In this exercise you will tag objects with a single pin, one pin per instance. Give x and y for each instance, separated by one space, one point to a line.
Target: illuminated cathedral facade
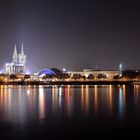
17 66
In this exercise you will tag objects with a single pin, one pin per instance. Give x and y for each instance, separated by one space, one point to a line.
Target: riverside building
17 66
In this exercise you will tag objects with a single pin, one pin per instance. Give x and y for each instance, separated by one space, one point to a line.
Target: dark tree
90 76
13 76
27 76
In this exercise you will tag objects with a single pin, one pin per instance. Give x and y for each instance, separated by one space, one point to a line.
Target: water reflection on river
43 104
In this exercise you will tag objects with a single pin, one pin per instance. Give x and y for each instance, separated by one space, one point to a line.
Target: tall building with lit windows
17 66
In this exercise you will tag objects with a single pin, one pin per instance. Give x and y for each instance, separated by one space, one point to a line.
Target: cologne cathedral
17 66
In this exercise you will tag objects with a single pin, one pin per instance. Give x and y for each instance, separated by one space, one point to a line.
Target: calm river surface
69 112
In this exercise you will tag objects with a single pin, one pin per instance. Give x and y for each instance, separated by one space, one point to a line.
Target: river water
69 112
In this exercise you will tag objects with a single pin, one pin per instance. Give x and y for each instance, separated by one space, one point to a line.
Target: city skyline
72 34
30 71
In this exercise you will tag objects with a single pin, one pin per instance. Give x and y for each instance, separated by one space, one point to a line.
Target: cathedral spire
15 55
15 51
22 50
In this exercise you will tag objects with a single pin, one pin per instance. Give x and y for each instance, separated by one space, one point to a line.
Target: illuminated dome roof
51 71
46 71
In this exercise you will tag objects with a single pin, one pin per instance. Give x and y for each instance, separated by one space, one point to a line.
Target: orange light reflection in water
41 103
82 98
87 99
136 94
110 98
54 99
67 100
31 101
95 99
1 95
124 96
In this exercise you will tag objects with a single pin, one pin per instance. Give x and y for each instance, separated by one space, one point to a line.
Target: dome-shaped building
51 72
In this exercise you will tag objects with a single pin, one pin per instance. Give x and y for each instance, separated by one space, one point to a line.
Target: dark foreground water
69 112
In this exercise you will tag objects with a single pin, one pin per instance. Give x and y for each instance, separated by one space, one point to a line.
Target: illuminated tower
22 60
15 56
120 69
22 57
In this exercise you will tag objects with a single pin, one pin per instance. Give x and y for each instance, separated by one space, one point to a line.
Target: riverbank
69 83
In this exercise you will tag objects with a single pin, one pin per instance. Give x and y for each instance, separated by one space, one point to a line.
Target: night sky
71 34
